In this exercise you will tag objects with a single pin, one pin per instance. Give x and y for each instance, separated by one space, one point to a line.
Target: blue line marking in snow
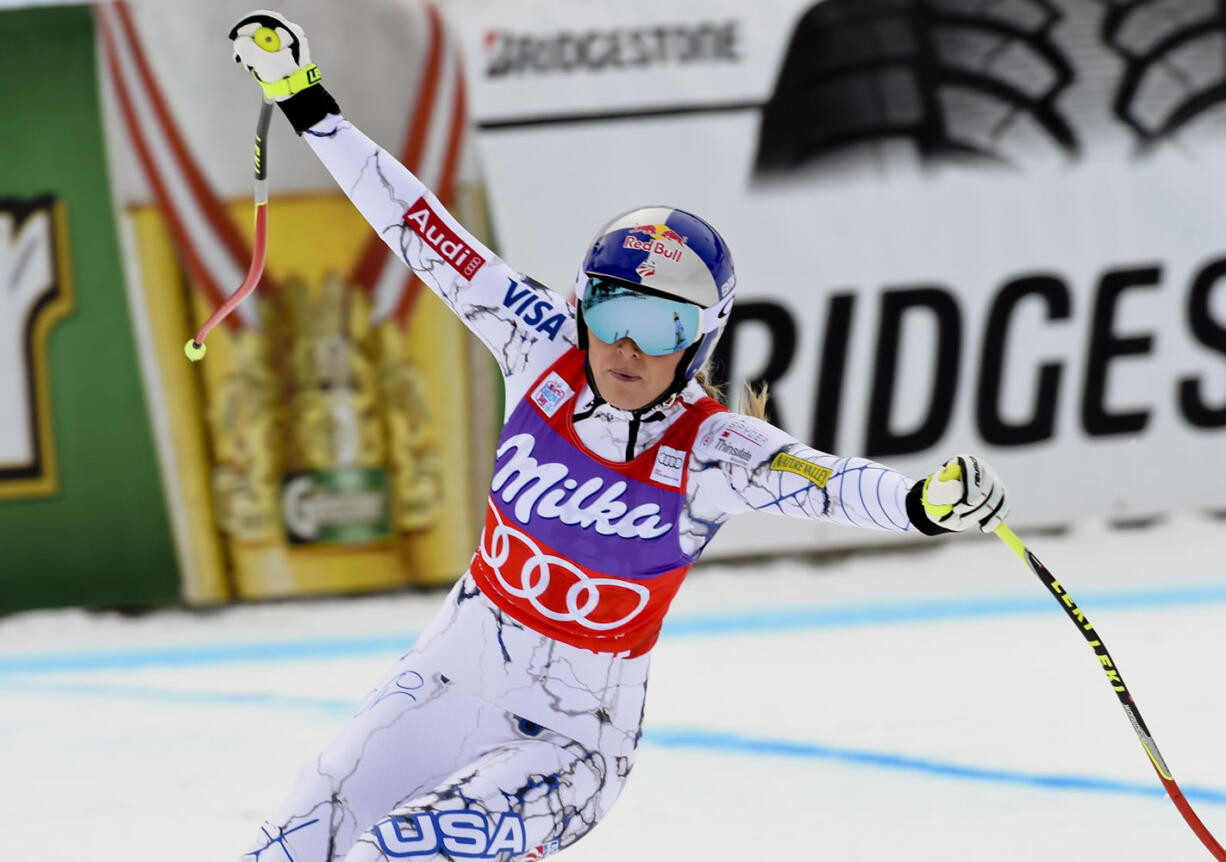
305 649
673 737
854 616
739 623
185 697
707 740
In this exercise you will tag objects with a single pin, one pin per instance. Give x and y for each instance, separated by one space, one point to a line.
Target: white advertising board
994 228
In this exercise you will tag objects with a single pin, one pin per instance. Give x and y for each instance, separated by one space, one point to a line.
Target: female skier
509 728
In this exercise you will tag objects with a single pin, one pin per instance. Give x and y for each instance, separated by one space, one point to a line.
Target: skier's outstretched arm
741 464
509 312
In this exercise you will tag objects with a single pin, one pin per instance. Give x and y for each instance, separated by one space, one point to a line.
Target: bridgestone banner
957 226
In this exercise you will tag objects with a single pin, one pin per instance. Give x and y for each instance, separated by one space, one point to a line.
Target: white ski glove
276 52
963 493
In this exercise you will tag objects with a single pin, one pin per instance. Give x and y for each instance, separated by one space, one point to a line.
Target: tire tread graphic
954 77
1174 57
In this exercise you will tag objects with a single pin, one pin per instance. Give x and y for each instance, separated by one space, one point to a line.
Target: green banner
83 520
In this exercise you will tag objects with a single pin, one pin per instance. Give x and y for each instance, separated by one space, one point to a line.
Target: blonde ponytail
753 401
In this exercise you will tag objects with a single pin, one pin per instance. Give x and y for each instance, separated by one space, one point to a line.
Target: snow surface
928 703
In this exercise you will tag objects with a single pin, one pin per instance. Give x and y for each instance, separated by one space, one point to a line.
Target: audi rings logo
670 459
546 579
669 467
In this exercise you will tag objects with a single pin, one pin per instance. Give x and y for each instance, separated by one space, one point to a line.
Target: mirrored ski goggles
613 311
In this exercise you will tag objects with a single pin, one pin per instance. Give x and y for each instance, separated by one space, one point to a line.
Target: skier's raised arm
509 312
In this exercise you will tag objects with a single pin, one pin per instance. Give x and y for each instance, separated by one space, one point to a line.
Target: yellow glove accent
267 38
935 512
308 76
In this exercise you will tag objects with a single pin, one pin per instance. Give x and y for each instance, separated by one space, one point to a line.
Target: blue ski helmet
670 253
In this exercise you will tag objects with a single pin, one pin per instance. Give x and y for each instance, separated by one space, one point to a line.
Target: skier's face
627 377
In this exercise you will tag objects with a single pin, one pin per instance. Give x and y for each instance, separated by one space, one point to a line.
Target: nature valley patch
791 464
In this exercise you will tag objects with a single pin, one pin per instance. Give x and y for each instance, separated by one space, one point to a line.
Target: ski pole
195 348
1116 680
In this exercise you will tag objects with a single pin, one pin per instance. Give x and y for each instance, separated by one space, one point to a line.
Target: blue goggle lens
658 326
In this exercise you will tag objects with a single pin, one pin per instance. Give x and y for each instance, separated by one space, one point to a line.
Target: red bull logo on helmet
659 231
660 240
